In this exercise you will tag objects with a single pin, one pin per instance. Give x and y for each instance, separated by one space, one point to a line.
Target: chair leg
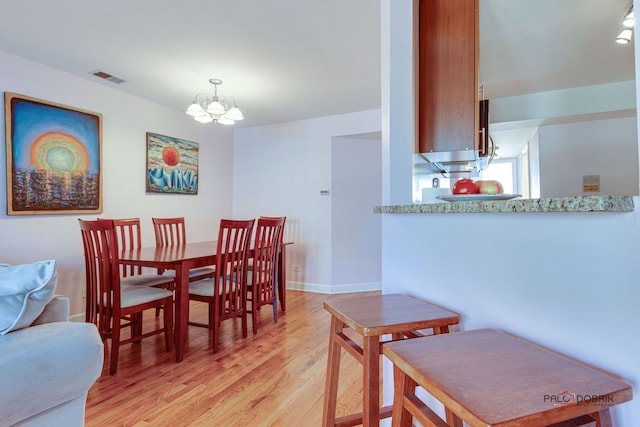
216 333
275 301
168 325
115 347
215 323
244 323
254 318
211 315
136 325
132 326
275 310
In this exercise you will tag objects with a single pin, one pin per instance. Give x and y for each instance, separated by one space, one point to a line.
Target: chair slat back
267 241
169 231
127 231
230 293
284 223
102 274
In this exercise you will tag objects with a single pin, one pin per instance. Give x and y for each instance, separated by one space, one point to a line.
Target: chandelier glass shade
215 110
628 22
625 36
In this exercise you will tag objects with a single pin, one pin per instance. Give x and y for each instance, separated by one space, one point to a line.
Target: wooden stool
373 316
487 377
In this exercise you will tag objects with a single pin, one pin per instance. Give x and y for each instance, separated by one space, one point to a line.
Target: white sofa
46 370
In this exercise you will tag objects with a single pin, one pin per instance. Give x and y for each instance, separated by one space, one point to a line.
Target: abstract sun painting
53 158
172 165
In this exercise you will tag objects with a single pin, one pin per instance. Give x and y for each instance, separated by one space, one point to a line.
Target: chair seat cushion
204 287
145 280
194 272
131 296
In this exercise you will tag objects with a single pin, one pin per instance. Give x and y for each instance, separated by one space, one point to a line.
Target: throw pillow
24 292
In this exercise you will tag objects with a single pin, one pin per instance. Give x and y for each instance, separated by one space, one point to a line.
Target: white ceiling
529 46
286 60
280 59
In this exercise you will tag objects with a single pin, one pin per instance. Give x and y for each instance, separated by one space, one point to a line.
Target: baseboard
334 289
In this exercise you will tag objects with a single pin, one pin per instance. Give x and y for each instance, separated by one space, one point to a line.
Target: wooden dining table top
157 256
491 378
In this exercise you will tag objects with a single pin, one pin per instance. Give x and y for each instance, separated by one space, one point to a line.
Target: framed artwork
54 158
172 165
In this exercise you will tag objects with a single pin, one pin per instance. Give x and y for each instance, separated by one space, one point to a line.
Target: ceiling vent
108 76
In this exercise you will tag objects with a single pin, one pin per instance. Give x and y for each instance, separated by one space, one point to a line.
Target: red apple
465 186
490 186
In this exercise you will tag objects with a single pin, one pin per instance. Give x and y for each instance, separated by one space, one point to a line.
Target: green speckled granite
559 204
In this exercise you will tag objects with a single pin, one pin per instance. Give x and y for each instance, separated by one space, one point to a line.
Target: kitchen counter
555 204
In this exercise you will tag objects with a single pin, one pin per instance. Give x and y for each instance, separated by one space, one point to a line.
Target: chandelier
628 22
208 110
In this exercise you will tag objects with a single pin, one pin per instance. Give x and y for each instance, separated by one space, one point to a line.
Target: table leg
441 330
452 419
182 309
282 277
333 373
402 385
371 383
603 418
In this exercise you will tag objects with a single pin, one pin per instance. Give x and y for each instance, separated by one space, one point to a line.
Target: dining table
182 258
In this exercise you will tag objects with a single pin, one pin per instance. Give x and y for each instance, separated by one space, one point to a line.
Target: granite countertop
555 204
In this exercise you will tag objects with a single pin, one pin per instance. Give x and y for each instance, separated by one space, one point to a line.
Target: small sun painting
172 165
53 158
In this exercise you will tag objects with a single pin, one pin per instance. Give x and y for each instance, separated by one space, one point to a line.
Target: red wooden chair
281 256
173 232
225 293
108 302
129 238
261 283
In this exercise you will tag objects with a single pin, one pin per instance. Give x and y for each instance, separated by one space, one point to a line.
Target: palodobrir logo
563 398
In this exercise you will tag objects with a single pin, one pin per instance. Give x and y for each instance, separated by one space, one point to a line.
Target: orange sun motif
170 156
60 153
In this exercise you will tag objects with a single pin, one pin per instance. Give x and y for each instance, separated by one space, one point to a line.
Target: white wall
602 147
534 165
280 170
125 121
567 281
356 230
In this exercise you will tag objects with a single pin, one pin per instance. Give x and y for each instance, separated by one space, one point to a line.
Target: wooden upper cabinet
448 75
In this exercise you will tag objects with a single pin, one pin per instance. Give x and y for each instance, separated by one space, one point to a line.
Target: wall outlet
83 293
590 183
295 267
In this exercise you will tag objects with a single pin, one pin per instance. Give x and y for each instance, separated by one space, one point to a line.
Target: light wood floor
274 378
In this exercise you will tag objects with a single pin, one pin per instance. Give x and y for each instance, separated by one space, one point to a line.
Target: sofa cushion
25 290
44 367
56 311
